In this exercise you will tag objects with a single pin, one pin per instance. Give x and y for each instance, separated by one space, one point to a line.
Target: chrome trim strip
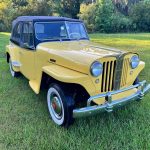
16 64
118 72
110 105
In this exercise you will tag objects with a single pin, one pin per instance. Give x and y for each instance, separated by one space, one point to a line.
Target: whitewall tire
60 106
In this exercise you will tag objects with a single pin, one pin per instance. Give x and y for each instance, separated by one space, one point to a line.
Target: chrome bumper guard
110 105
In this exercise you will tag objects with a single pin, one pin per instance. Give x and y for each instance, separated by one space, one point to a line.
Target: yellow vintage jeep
83 78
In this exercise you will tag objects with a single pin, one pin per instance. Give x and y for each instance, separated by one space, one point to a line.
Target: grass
24 119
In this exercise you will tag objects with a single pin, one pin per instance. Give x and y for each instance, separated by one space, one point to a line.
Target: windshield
60 31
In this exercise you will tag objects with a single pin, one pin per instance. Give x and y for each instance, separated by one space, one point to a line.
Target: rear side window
27 34
17 33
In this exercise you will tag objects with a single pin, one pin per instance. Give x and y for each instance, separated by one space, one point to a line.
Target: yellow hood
76 55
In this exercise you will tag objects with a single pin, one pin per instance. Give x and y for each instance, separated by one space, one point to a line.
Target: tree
139 14
9 10
16 3
123 6
86 14
4 15
68 8
110 20
105 9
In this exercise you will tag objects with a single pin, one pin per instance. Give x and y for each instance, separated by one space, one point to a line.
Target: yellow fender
65 75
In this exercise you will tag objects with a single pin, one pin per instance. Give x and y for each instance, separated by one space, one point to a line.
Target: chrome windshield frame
87 36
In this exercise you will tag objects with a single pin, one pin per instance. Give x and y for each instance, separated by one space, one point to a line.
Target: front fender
66 75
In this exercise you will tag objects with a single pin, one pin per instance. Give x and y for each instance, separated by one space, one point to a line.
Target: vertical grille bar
107 76
114 68
124 72
111 75
102 85
104 76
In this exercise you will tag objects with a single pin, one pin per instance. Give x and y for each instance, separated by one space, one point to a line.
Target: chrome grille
114 74
108 76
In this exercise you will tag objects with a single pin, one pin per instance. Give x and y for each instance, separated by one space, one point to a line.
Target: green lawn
25 123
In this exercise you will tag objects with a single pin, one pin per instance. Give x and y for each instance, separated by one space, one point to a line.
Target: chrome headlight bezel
134 62
96 69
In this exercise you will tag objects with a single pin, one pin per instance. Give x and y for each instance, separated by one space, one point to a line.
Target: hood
76 55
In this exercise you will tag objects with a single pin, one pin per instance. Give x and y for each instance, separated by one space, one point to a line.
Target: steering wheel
74 35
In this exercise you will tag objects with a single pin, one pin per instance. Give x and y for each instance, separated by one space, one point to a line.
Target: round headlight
96 69
134 61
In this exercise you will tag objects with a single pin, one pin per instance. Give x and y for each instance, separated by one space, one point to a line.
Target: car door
27 52
14 46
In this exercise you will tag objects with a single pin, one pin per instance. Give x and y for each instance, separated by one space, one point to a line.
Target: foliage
9 10
4 11
86 14
123 6
69 8
105 10
101 16
140 15
16 8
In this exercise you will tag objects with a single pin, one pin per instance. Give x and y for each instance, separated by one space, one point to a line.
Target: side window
27 34
17 33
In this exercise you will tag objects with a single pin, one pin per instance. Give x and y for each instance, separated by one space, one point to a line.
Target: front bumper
110 105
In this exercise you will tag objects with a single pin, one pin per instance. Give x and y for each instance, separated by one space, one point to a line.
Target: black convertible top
17 27
43 18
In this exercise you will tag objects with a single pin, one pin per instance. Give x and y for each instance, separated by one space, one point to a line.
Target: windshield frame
87 37
61 39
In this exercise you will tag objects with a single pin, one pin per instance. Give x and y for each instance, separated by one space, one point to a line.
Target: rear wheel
13 73
60 106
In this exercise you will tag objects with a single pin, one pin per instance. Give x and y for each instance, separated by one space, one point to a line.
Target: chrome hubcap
56 106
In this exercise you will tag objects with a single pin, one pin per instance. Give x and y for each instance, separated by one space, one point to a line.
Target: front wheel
60 106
